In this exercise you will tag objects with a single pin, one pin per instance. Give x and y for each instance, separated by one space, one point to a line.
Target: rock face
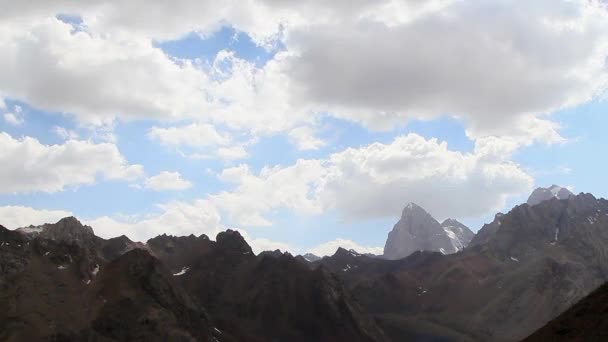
459 234
543 194
417 230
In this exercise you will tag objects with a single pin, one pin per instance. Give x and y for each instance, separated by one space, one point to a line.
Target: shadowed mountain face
587 320
536 262
271 297
58 290
417 230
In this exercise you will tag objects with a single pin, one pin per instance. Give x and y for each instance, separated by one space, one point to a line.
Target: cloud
193 135
100 77
29 165
490 71
176 218
167 181
330 247
377 180
273 187
15 118
200 137
304 138
13 217
65 134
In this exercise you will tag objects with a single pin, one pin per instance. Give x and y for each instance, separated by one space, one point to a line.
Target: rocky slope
417 230
585 321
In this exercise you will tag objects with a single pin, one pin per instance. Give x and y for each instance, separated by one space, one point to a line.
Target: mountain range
435 282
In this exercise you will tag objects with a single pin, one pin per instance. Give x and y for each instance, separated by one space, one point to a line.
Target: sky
306 125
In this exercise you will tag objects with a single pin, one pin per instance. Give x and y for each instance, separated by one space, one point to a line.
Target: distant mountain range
435 282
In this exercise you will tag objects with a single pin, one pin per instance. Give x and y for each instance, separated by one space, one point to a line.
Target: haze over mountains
61 282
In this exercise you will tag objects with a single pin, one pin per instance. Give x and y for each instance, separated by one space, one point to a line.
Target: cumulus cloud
500 74
15 118
14 216
52 66
490 71
167 181
254 195
193 135
176 218
304 138
330 247
64 133
377 181
29 165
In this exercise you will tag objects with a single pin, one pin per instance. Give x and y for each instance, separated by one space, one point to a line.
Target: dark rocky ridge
60 282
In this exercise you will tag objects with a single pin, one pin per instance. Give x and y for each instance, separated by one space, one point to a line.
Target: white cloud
167 181
193 135
330 247
15 118
500 75
232 153
29 165
377 181
256 195
100 77
304 138
177 218
65 134
491 71
13 217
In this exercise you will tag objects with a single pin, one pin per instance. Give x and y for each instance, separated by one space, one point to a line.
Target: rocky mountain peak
232 240
418 230
311 257
543 194
68 229
413 209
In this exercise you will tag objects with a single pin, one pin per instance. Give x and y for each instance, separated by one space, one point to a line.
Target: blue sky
224 122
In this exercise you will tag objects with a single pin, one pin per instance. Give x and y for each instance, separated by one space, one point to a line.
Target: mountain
585 321
535 263
459 234
273 296
417 230
60 282
57 290
543 194
311 257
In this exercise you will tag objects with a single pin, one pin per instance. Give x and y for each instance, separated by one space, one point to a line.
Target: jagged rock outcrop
417 230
